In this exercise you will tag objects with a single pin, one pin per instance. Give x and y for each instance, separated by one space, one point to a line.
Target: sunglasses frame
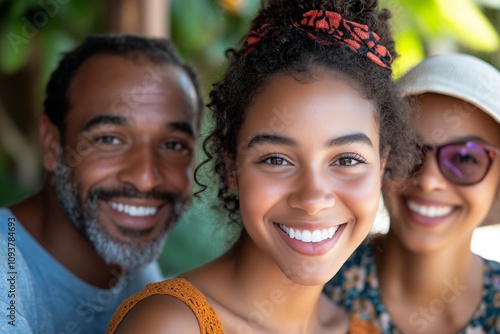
491 152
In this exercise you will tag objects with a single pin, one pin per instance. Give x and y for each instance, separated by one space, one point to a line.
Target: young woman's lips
310 241
428 213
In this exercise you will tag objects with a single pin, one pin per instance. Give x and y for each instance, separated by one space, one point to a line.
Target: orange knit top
208 320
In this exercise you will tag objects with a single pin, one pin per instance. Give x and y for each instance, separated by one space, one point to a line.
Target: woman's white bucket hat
462 76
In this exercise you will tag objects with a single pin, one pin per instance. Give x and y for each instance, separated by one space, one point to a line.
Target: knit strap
181 289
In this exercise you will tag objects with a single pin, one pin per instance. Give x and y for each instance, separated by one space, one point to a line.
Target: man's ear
231 171
50 141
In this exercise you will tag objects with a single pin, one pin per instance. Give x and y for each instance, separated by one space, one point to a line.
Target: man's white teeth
310 236
132 210
429 211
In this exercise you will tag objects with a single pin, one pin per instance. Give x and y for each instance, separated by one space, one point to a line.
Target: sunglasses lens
463 164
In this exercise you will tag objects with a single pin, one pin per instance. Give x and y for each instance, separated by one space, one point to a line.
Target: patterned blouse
355 287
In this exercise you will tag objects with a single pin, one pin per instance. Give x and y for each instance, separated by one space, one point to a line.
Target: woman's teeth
310 236
429 211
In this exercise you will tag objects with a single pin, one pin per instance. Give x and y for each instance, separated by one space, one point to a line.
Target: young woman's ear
383 162
50 141
231 172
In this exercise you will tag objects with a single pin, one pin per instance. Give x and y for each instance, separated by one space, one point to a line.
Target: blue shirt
39 295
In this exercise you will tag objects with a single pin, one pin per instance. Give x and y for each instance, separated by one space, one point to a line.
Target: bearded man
118 138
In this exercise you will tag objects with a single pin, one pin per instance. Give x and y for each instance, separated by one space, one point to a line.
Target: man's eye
109 140
178 147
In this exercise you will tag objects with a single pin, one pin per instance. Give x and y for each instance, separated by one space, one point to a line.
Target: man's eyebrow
181 126
357 137
271 139
103 120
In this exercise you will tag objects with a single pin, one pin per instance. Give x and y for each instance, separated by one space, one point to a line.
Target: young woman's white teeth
316 236
331 232
306 236
310 236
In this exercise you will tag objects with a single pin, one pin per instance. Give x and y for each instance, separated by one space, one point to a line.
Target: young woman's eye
108 140
349 160
274 161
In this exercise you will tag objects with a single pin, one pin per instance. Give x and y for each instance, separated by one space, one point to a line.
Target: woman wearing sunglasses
421 277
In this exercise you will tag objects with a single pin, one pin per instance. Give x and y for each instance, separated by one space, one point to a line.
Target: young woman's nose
313 193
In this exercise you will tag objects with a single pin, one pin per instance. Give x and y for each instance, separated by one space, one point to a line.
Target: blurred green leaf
250 8
409 47
18 9
9 190
468 24
55 41
195 24
14 46
425 15
80 17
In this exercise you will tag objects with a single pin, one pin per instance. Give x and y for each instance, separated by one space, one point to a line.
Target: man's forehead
112 84
103 75
114 67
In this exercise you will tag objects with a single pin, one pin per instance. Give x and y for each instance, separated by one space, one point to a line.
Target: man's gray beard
112 251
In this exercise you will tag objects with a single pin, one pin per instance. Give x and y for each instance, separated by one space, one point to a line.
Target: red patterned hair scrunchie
329 26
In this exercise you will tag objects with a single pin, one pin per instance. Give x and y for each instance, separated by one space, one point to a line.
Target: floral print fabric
355 288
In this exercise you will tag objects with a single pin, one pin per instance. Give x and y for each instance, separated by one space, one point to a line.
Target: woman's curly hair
294 53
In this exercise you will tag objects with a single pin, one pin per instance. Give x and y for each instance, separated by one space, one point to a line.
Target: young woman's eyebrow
271 139
357 137
282 140
104 120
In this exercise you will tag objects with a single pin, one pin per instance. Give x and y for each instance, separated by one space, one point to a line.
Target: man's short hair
160 51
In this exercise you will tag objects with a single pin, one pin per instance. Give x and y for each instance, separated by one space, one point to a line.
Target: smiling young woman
305 118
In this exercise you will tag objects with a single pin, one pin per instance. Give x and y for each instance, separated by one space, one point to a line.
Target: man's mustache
132 192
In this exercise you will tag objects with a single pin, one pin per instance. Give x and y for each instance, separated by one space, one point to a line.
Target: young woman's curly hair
291 52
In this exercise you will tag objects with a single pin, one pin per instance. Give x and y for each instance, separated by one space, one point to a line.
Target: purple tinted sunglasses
462 163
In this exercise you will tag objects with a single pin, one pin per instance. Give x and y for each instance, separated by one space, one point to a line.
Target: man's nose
141 169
